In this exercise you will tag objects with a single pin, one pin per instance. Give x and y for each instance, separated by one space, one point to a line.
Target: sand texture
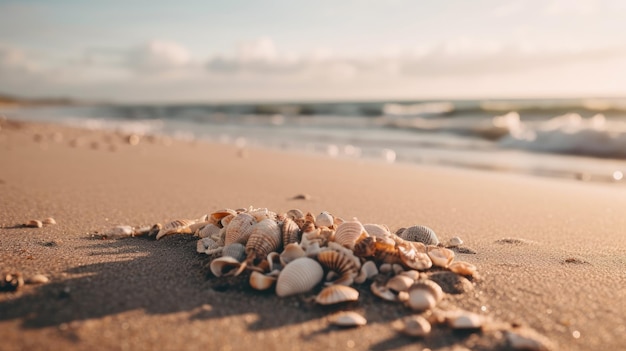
551 253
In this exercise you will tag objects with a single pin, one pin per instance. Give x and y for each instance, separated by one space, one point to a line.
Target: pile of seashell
294 253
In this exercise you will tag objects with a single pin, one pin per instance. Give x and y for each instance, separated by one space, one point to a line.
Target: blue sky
300 50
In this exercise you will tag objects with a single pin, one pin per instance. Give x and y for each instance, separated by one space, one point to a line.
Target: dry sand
551 253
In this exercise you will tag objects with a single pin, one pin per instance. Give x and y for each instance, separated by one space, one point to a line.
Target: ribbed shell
178 226
420 233
336 294
265 237
216 217
299 276
261 214
348 233
238 230
235 250
340 263
295 214
291 232
377 230
324 219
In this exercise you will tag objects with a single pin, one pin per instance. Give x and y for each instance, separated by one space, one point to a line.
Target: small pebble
49 220
34 223
133 139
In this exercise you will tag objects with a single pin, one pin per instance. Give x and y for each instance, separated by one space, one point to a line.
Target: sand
551 253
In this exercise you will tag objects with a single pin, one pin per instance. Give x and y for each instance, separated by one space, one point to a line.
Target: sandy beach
550 253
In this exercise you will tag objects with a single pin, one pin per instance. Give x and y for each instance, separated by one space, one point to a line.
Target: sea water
582 139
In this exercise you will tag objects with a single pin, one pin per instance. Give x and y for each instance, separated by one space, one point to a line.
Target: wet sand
551 253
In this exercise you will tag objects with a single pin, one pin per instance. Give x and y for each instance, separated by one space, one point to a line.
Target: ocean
578 139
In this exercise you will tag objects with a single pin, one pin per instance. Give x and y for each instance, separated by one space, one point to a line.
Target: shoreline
550 253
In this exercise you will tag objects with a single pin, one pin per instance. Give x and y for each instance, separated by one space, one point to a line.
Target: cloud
157 56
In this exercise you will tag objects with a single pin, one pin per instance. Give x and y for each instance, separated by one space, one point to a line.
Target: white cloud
156 56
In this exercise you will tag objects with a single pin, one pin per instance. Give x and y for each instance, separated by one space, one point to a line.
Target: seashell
265 237
208 231
463 268
226 266
466 320
383 292
337 221
397 269
216 217
341 263
324 219
299 276
208 246
238 230
413 326
291 231
295 214
368 271
440 256
179 226
33 223
197 225
455 241
399 231
121 231
308 217
385 268
400 283
348 233
411 273
273 261
290 253
336 247
424 295
336 294
413 259
529 340
261 214
421 234
49 220
377 230
37 279
235 250
347 319
260 281
366 247
11 281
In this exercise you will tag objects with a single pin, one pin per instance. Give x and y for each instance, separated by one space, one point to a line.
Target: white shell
348 233
368 271
377 230
336 294
424 295
528 340
120 231
440 256
37 279
324 219
400 283
383 292
238 229
226 266
420 233
463 268
455 241
49 220
290 253
347 319
415 325
299 276
466 320
414 259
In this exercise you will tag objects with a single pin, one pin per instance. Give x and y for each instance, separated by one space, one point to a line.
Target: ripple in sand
514 241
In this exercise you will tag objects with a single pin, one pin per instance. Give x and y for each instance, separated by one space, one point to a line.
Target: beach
550 252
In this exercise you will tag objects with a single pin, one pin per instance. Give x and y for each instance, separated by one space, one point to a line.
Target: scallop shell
290 253
368 271
463 268
216 217
324 219
49 220
265 237
336 294
366 247
440 256
235 250
238 230
260 281
179 226
340 263
208 231
415 325
377 230
348 233
291 231
347 319
226 266
299 276
420 233
424 295
400 283
33 223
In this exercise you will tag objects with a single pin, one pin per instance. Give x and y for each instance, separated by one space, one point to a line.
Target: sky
217 51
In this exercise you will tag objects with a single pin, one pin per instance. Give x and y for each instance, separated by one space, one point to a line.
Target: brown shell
216 217
179 226
340 263
260 281
238 229
291 232
49 220
348 233
336 294
463 268
265 237
440 256
295 214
